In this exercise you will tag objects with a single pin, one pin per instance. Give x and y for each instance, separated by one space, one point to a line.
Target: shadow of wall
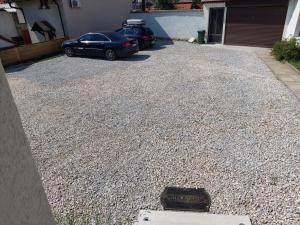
173 24
22 197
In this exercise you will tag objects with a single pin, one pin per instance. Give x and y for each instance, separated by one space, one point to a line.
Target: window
128 31
99 37
137 31
44 4
86 37
75 3
133 31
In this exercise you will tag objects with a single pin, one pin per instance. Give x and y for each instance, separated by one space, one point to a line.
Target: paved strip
284 72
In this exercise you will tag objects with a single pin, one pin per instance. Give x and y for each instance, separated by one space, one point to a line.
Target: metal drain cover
185 199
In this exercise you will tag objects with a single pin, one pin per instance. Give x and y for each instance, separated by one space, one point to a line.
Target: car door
97 44
82 47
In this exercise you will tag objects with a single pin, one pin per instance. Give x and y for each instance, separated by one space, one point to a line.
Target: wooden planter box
29 52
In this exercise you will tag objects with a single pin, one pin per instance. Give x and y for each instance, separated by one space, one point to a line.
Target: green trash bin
201 35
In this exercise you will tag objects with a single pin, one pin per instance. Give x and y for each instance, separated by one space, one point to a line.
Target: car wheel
69 51
110 55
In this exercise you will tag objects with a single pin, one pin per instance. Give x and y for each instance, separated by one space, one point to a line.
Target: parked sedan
109 45
144 35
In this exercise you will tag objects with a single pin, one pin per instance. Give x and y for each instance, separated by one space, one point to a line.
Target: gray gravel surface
109 136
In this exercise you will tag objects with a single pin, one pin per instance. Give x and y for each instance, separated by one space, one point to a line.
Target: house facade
251 22
93 15
52 19
7 22
35 13
13 29
233 22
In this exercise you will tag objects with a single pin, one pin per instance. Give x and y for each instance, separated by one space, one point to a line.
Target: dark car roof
101 32
142 29
114 36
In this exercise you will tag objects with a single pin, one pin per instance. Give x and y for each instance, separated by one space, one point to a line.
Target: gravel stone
110 136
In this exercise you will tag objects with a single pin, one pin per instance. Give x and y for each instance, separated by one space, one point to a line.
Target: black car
110 45
144 35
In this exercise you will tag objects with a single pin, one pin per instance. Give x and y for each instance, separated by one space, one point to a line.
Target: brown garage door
255 25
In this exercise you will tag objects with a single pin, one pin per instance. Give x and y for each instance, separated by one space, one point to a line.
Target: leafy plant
166 4
196 3
286 50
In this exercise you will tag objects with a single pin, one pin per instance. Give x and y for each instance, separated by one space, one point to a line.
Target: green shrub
166 4
196 3
286 50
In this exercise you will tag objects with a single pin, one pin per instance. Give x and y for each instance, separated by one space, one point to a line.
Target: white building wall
95 15
5 44
34 14
7 25
292 23
173 24
206 8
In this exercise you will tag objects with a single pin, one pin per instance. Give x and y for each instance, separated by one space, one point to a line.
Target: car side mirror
79 41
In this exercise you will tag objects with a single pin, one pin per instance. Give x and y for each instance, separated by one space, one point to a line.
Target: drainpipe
60 16
143 5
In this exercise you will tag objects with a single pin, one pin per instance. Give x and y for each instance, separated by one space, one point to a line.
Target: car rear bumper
148 43
127 51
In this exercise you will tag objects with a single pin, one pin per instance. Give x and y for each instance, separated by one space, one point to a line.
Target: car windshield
131 30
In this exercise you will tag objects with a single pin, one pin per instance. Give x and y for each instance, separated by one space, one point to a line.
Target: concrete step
148 217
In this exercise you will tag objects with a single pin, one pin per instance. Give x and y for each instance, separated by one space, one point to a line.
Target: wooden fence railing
30 52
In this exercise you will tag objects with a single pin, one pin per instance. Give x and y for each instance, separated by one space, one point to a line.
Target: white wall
34 14
292 23
95 15
173 24
206 8
5 44
7 25
22 197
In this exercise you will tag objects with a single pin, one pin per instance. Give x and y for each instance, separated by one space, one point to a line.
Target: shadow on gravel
160 44
128 58
18 67
22 66
134 58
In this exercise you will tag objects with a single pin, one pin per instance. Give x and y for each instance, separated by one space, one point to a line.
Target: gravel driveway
110 136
